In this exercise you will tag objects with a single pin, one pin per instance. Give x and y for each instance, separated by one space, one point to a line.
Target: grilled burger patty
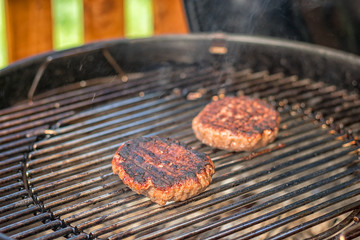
162 169
237 124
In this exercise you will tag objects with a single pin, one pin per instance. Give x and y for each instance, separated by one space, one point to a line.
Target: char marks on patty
157 167
237 124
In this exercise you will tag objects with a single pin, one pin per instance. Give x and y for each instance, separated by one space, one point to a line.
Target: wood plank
169 17
103 19
28 27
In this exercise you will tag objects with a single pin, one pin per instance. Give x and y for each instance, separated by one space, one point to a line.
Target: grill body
136 55
56 149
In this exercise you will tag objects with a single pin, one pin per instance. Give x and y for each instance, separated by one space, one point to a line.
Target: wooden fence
29 23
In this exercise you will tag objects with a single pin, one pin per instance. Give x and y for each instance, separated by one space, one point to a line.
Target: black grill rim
258 53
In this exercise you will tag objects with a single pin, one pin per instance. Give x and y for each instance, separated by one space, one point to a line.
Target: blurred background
68 21
67 26
30 27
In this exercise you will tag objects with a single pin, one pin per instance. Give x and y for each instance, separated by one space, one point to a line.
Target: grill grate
56 152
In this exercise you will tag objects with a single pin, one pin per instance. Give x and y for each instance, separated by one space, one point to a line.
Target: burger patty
237 124
162 169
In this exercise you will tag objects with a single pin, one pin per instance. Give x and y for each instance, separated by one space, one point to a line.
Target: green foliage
3 52
138 18
69 24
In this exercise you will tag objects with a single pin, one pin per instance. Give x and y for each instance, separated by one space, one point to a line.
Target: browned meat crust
162 169
237 124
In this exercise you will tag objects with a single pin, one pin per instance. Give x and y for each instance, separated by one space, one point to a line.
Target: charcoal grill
64 114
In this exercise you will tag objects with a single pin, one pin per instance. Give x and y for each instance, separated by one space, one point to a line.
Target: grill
56 150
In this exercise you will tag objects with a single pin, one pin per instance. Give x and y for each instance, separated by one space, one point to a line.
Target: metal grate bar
78 195
261 81
79 87
91 201
289 89
31 125
346 109
109 156
286 154
19 213
328 216
264 205
341 225
24 141
7 179
19 224
12 206
290 207
105 108
81 236
9 187
350 120
278 82
70 178
58 233
69 174
78 104
301 85
71 127
14 151
13 196
33 117
47 186
348 114
282 155
78 158
96 221
39 229
241 203
135 116
329 100
55 138
52 96
83 183
306 92
310 92
234 184
351 232
13 168
106 141
77 205
65 98
327 105
16 129
23 134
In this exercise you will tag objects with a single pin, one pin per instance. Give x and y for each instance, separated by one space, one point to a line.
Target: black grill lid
330 23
